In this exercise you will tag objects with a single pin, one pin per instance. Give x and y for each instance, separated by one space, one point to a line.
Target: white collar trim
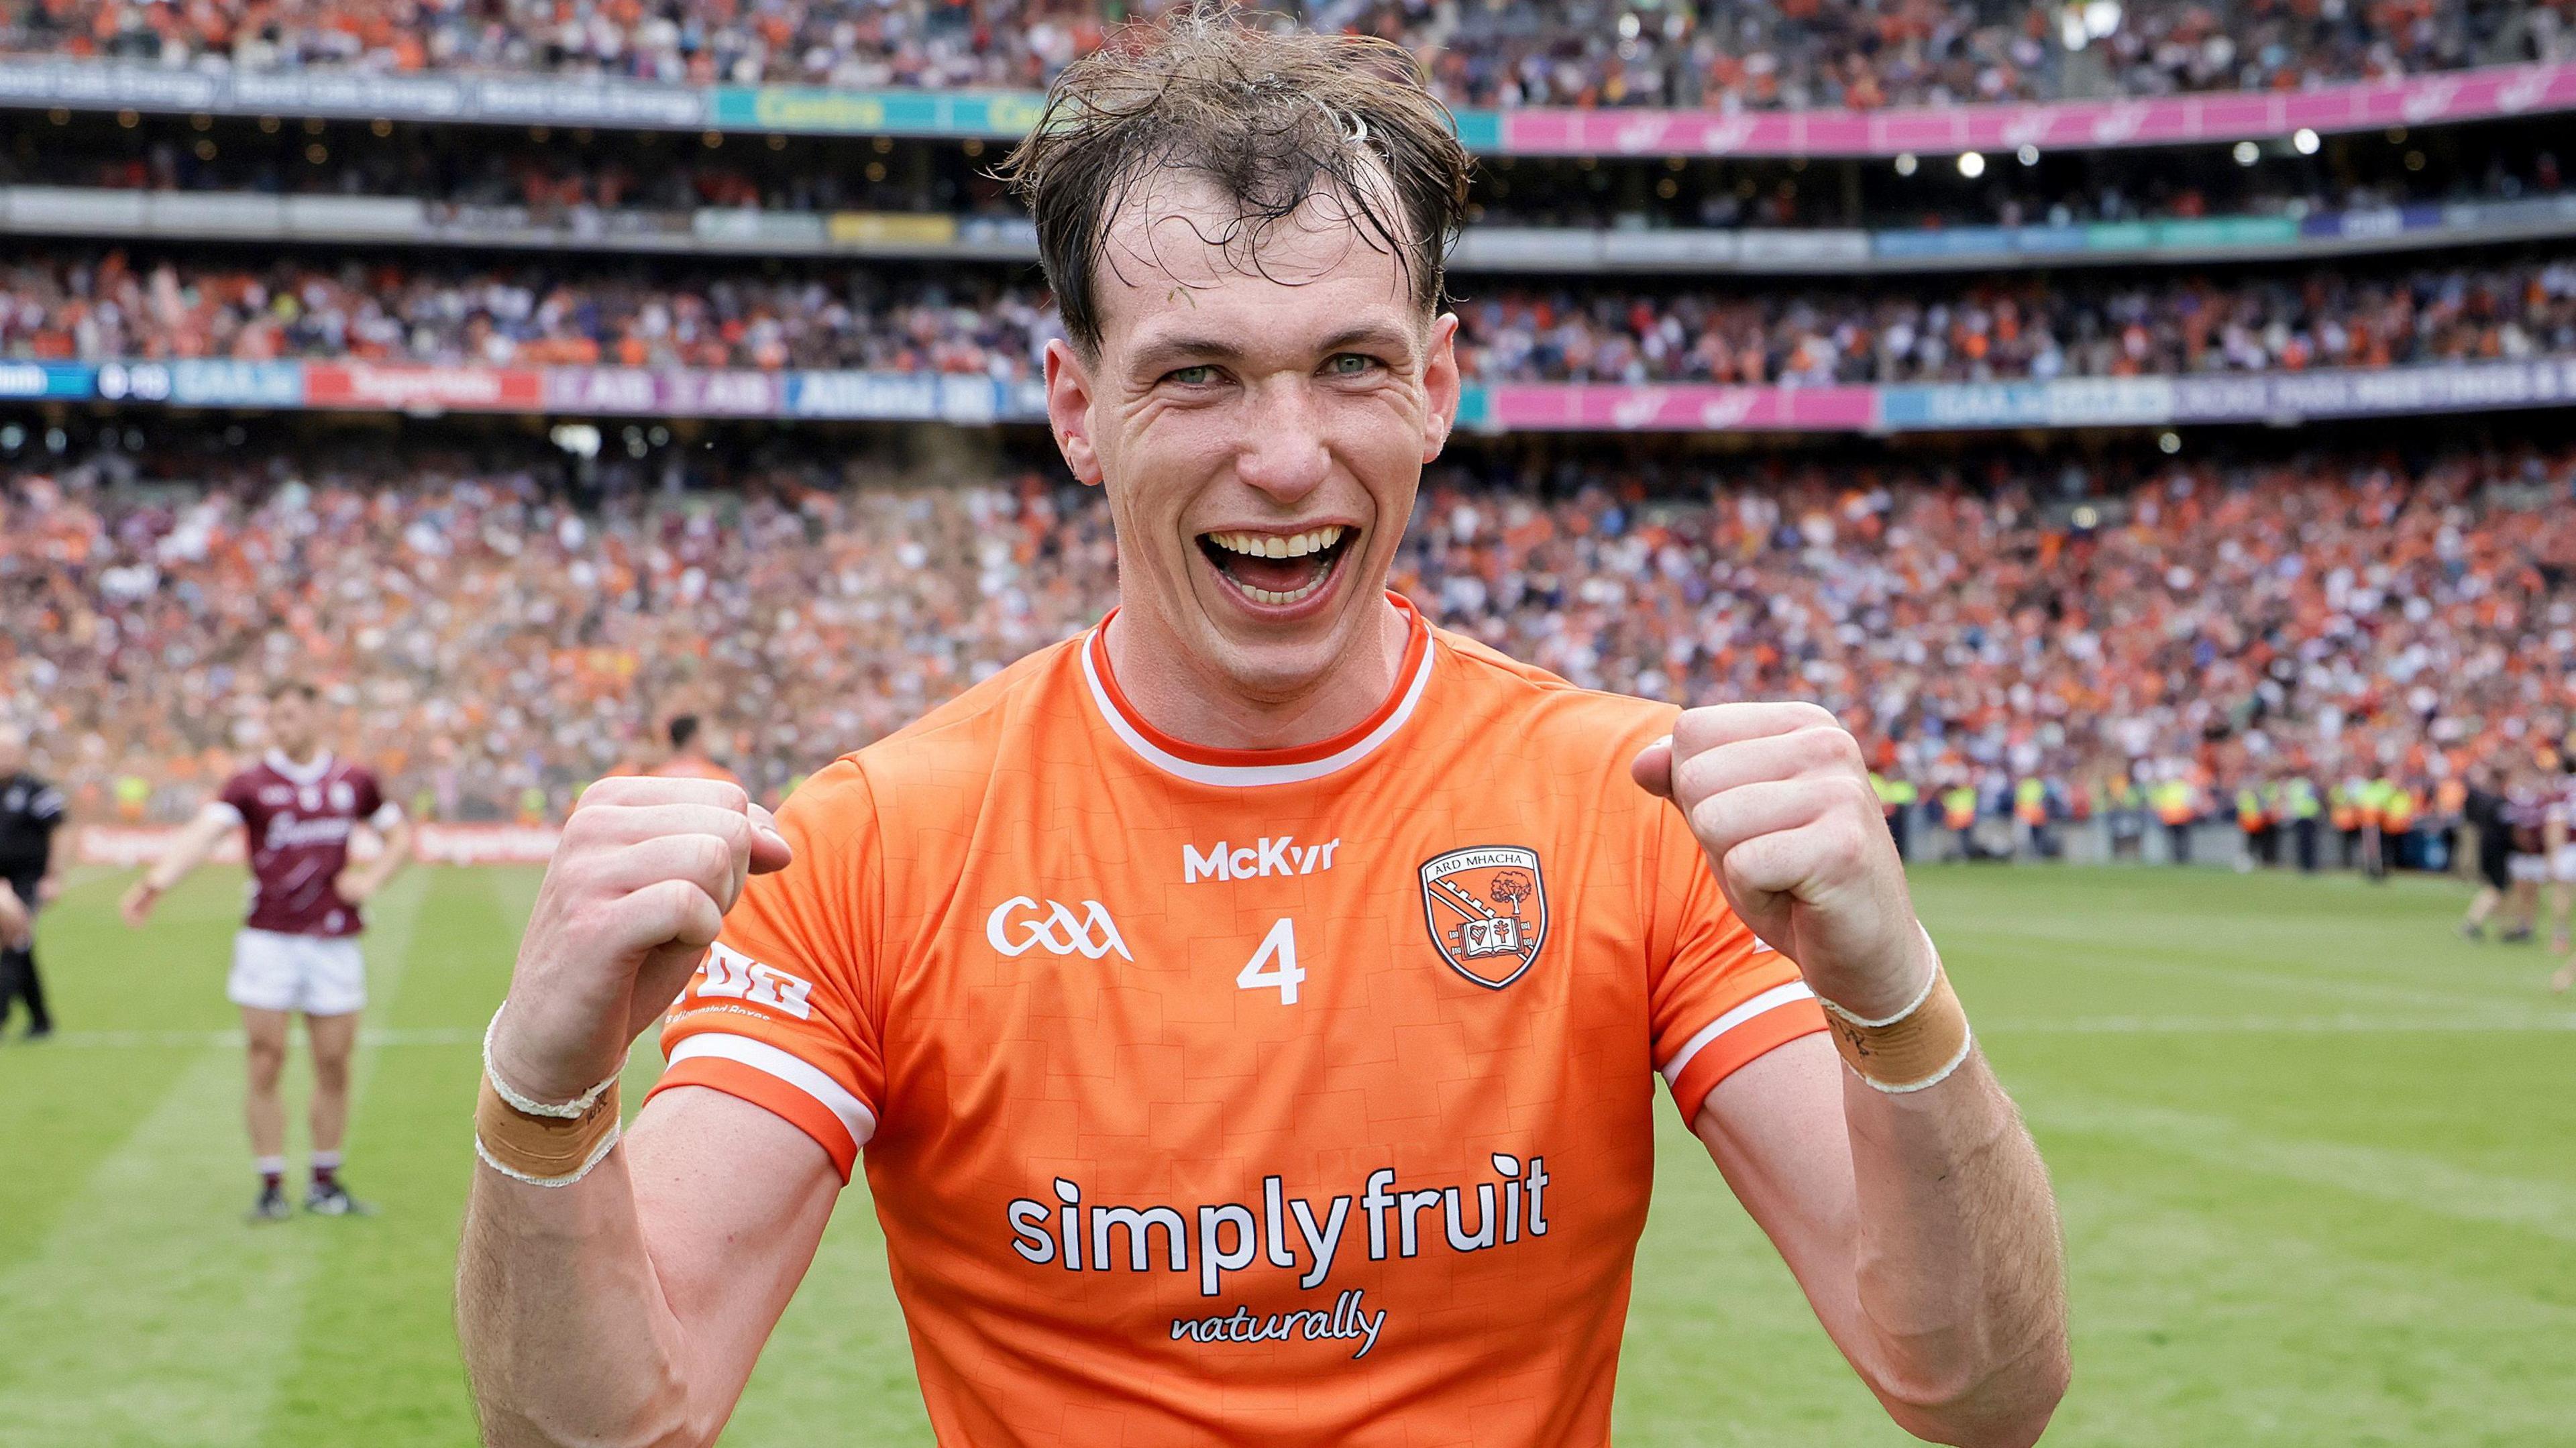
1246 776
301 773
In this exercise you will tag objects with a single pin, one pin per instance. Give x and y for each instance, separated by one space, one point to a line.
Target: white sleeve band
387 815
221 812
855 1117
1770 1000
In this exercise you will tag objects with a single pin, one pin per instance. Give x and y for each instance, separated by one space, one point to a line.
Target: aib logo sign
1018 925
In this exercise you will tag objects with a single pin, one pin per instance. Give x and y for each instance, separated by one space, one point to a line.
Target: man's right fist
637 890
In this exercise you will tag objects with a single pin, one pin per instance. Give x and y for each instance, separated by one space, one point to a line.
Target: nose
1283 454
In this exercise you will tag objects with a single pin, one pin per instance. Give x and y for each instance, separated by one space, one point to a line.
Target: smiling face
1260 423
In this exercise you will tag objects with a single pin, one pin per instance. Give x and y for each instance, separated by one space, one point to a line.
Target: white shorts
320 975
2563 868
2526 869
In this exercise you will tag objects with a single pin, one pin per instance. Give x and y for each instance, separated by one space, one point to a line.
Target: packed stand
654 183
2013 328
70 306
97 308
1732 54
495 645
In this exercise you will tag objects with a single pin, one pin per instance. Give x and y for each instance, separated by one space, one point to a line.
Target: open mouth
1278 569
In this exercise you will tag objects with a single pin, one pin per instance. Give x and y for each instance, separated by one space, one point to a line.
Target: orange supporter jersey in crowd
1294 1097
689 766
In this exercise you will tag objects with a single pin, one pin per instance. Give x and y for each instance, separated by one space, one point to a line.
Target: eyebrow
1164 354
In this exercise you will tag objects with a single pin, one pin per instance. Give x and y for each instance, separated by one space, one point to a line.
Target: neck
303 756
1180 695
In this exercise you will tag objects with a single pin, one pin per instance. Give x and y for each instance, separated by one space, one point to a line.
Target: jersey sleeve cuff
784 1085
1731 1042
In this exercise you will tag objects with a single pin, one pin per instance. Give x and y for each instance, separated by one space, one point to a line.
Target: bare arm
359 882
1918 1219
195 840
1921 1228
626 1308
629 1307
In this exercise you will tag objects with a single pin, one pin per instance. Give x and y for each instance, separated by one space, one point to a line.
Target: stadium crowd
1735 54
613 176
494 646
69 305
2026 327
94 307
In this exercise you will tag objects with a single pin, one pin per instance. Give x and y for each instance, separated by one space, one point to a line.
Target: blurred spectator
81 305
1732 54
2345 614
2077 324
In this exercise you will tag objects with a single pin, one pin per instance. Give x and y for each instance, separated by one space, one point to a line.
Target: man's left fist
1779 798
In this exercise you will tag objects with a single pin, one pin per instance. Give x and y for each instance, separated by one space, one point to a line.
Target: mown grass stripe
152 1259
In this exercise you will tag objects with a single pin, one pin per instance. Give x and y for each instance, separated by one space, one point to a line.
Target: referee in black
30 810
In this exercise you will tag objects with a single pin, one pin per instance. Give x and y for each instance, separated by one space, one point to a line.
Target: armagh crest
1487 909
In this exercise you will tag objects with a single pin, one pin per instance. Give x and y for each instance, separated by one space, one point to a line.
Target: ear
1440 382
1068 390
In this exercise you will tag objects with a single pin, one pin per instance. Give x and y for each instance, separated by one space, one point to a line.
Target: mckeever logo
1269 856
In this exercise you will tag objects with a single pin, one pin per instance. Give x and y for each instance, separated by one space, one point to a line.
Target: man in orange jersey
1248 1012
689 758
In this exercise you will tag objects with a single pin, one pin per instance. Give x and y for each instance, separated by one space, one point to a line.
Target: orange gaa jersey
1294 1097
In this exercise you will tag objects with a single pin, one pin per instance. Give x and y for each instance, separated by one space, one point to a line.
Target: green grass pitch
2313 1151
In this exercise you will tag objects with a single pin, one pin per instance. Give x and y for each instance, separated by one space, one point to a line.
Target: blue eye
1350 364
1198 376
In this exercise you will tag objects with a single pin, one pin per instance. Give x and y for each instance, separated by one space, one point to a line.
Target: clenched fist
1779 798
637 890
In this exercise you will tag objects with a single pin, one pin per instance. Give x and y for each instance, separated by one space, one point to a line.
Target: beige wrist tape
545 1151
1917 1047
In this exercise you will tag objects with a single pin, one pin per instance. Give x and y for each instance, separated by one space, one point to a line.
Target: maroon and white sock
272 1171
326 1169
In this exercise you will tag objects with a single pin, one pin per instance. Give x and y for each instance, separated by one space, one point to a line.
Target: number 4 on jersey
1274 965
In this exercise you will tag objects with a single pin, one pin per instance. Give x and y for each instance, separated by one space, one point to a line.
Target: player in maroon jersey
299 950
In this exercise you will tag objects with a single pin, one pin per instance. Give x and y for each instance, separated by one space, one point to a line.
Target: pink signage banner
1606 408
2463 95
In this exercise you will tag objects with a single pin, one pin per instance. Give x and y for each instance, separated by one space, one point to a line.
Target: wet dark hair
1272 118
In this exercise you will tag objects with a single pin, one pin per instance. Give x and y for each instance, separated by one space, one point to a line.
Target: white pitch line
2321 1025
2416 1180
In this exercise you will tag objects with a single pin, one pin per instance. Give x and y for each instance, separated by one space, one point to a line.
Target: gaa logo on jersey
1487 908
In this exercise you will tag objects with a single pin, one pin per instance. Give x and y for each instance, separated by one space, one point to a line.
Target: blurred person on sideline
31 864
297 808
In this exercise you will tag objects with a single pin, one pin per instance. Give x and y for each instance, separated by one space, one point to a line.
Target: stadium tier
506 636
638 191
1728 54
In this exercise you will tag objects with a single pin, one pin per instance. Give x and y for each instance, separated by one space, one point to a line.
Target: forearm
1957 1265
195 841
568 1334
389 860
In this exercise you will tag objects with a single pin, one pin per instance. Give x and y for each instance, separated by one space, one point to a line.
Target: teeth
1274 545
1274 597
